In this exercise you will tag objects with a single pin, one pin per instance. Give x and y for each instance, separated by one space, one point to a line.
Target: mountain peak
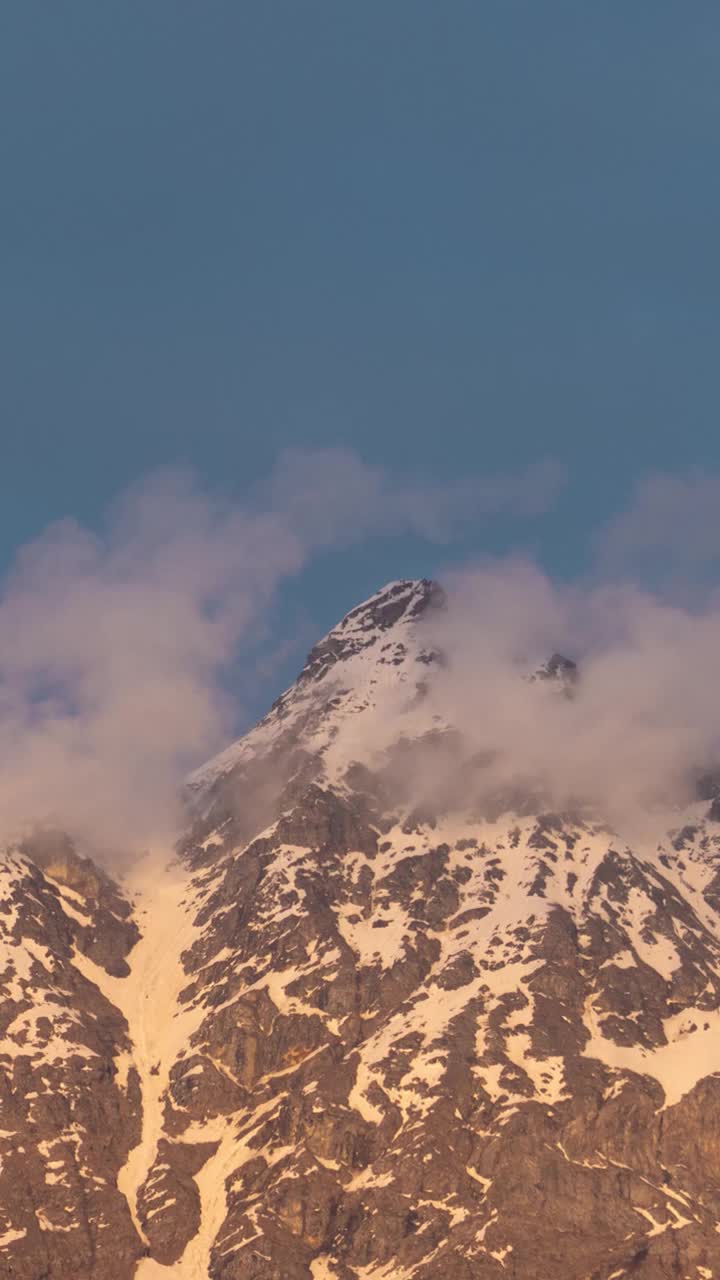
395 604
375 642
559 671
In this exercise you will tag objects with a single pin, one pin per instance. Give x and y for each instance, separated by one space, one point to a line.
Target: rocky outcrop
69 1112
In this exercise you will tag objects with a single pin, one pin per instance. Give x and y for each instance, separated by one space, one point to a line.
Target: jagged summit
364 627
376 646
560 670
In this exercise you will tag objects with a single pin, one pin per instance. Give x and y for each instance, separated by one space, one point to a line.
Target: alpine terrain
356 1027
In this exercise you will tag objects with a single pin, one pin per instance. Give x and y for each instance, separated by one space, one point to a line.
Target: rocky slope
348 1032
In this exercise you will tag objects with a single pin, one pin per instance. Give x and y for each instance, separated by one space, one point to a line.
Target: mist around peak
117 644
115 648
600 696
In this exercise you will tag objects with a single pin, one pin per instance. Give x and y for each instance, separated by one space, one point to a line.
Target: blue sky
458 238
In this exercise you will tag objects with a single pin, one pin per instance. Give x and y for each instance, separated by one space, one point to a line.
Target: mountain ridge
361 1036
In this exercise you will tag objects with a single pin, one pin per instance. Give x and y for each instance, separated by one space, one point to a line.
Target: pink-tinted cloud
669 533
332 496
645 715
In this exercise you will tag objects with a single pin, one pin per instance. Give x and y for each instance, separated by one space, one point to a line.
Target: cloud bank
115 646
669 534
643 718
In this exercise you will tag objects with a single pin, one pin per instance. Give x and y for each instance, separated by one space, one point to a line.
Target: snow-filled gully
159 1029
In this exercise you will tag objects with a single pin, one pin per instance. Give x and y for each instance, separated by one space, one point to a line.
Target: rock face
363 1034
69 1100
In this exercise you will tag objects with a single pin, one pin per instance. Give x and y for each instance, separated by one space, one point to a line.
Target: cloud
333 496
114 644
110 649
669 534
643 719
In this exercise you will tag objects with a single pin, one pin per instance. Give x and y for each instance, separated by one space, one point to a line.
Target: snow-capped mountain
360 1029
